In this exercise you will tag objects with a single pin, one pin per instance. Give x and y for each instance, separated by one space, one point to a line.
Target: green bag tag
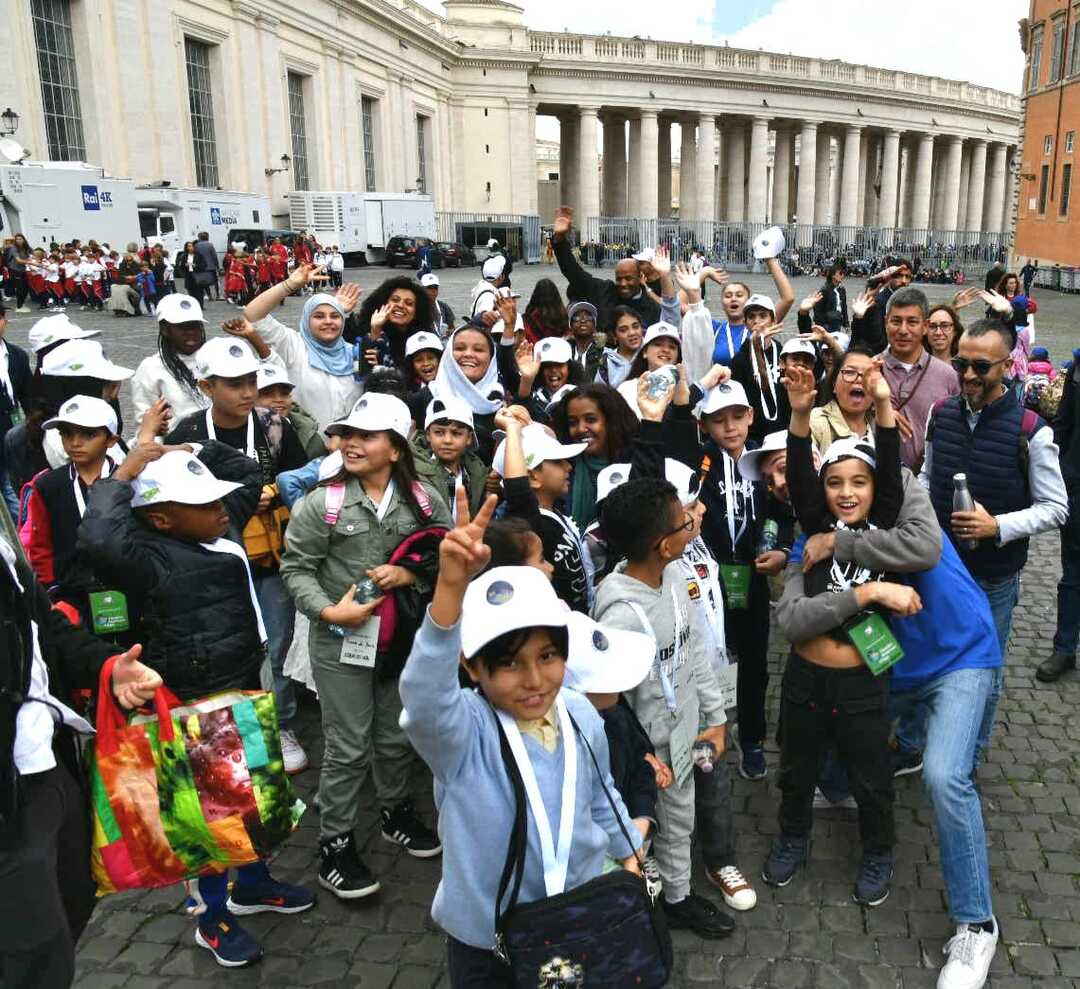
109 612
873 640
736 578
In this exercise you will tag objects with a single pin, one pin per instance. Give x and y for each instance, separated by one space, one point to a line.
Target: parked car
456 255
403 250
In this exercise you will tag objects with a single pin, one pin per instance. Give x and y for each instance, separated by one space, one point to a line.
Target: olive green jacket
432 473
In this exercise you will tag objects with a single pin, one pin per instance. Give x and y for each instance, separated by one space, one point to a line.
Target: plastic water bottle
704 755
661 380
770 536
365 591
963 502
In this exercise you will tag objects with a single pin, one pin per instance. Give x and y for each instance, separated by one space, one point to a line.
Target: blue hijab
334 358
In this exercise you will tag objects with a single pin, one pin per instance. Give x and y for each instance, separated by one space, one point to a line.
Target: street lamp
9 122
285 159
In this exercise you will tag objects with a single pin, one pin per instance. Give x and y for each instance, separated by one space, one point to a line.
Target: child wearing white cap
341 537
444 454
546 367
163 529
423 351
508 630
54 507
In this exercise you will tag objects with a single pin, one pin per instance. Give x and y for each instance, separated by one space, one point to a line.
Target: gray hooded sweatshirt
697 693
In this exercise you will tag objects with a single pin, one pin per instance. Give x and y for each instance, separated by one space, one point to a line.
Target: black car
456 255
404 250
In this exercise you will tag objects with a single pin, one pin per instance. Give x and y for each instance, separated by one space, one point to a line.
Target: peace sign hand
462 552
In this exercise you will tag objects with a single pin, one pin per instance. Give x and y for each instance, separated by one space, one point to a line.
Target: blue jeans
1068 602
279 617
955 706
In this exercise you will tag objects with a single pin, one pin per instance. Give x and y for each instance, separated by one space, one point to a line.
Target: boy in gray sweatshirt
647 524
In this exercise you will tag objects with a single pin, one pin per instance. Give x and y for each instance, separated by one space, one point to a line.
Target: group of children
482 540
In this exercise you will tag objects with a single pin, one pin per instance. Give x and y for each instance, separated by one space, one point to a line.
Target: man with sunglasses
1011 462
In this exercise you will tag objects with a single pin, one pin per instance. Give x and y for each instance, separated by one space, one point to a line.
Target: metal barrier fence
519 233
1058 279
730 244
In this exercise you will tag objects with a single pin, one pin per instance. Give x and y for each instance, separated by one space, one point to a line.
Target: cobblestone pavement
809 934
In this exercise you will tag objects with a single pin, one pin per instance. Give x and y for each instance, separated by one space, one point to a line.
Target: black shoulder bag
608 933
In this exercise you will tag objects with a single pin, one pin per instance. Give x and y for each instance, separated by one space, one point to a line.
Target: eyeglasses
981 368
687 526
850 374
940 326
580 317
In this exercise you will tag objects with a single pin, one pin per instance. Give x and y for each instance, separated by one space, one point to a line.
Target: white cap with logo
375 413
646 254
429 279
797 346
493 267
724 395
685 480
177 308
538 445
51 329
552 350
83 358
84 411
658 330
448 410
750 461
760 301
422 341
506 599
605 660
769 244
270 374
181 477
225 357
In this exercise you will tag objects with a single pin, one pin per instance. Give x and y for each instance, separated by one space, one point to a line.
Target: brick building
1047 220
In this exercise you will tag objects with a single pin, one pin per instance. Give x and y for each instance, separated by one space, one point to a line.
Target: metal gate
519 233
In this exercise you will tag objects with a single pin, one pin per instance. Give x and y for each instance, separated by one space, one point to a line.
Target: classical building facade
385 95
1048 223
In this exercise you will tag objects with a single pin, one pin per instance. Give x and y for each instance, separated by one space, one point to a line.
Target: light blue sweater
455 732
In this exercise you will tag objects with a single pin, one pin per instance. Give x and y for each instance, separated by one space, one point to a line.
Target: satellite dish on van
12 151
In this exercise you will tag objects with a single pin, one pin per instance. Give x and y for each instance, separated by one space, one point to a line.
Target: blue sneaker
228 942
270 896
787 856
872 884
752 763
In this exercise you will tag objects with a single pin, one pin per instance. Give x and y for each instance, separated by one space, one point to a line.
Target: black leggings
476 968
20 286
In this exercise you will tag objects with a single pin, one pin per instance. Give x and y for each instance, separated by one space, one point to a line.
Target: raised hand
718 275
137 459
966 296
348 295
717 374
997 302
155 422
661 261
378 320
564 220
462 552
653 409
799 382
686 279
238 327
862 305
507 309
528 366
875 382
133 683
810 301
300 276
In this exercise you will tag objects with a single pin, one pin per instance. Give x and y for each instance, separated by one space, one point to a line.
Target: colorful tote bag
186 791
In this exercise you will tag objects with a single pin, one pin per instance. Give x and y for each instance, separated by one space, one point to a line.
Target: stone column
965 176
954 157
890 172
649 142
864 158
704 167
687 170
807 174
589 163
534 192
614 166
822 164
568 161
924 165
849 189
758 178
735 152
782 160
870 183
976 186
663 174
995 195
911 153
633 169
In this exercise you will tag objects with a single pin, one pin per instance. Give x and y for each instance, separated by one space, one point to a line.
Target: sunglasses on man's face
981 368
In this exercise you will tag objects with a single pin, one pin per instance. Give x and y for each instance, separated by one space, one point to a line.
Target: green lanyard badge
109 612
873 640
736 578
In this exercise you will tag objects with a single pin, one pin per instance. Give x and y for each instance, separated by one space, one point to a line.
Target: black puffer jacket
197 623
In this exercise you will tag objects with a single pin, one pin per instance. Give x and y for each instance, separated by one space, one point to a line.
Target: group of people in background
549 532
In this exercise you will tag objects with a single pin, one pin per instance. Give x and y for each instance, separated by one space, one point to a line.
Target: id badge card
873 640
109 612
680 742
728 678
359 646
736 578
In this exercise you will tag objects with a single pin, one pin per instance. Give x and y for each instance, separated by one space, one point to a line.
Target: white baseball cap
610 478
270 374
225 357
374 413
82 410
750 461
849 446
429 279
553 350
658 330
422 341
797 346
493 267
605 660
724 395
83 358
646 254
760 301
506 599
181 477
676 472
451 409
177 308
52 329
538 445
842 338
769 243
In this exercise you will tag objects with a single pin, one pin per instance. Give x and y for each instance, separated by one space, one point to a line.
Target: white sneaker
23 309
738 893
821 802
970 951
292 753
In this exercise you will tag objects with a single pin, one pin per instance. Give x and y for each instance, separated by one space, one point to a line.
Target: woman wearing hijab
319 360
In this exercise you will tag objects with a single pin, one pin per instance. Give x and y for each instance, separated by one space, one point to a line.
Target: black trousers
847 708
476 968
747 632
46 892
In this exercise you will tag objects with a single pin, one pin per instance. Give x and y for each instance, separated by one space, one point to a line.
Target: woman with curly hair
396 310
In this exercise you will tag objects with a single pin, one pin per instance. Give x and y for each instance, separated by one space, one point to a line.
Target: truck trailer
361 223
172 216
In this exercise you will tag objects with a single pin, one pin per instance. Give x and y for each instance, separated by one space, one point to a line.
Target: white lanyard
732 349
384 504
772 373
80 502
729 501
223 545
211 433
586 559
556 859
667 683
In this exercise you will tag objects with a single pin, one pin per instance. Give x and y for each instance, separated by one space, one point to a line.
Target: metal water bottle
963 502
365 591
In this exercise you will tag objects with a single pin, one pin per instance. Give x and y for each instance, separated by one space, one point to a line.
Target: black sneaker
905 762
402 827
1050 670
788 855
872 883
752 763
697 914
342 871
